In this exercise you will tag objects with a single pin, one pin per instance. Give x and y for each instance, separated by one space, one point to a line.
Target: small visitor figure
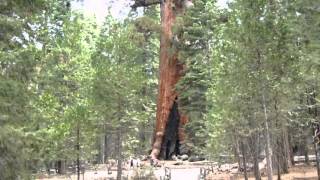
134 163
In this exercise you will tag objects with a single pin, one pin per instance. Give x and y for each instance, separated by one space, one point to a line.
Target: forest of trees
73 91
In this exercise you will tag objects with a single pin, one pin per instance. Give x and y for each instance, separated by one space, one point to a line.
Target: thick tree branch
144 3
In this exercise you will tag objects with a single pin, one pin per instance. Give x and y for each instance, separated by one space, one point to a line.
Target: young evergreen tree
19 57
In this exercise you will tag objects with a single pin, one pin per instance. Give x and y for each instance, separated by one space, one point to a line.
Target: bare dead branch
145 3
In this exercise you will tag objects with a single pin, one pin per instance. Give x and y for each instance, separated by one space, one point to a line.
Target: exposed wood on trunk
170 69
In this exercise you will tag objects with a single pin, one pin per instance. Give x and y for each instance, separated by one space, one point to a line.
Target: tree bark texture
313 110
254 147
102 150
305 151
244 156
237 152
167 138
267 136
281 158
286 144
119 143
119 158
61 167
78 152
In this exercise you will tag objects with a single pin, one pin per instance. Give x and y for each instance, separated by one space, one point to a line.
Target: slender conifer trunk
244 159
267 136
78 151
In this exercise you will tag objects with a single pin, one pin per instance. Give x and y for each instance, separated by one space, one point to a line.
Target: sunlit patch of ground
184 171
299 172
188 171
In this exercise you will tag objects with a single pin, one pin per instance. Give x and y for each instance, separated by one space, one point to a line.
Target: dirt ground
190 171
299 172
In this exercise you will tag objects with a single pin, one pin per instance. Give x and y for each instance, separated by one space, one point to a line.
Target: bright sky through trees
119 8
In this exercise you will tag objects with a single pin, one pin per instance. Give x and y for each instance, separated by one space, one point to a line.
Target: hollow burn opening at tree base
170 143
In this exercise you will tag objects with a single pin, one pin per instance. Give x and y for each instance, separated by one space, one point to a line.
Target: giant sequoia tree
169 134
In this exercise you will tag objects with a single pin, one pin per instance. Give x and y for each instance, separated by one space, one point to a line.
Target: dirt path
176 174
188 172
299 172
185 171
180 174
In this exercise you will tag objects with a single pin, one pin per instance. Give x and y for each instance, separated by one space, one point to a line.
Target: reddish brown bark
170 72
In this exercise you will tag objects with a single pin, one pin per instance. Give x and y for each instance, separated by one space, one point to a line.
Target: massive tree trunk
169 134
